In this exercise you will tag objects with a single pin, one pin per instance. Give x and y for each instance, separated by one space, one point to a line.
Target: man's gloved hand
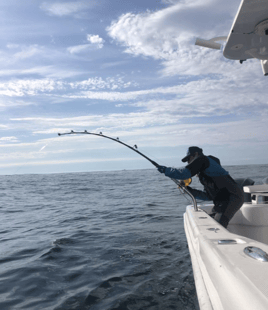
162 169
185 183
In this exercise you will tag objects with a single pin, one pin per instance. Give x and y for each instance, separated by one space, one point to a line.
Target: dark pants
226 209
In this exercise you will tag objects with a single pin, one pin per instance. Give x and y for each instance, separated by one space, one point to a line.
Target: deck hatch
256 253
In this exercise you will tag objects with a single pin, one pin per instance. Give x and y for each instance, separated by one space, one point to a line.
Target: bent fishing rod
135 149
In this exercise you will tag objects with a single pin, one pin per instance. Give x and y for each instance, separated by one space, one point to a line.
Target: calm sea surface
100 240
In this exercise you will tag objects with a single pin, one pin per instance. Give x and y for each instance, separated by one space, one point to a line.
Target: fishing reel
187 182
182 184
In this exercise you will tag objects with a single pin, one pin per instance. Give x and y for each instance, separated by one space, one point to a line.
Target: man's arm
202 195
180 174
200 163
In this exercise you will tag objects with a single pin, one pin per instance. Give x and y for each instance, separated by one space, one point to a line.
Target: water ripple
102 240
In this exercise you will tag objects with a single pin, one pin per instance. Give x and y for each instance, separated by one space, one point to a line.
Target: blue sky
131 70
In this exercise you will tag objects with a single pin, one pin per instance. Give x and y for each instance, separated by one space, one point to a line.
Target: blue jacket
218 184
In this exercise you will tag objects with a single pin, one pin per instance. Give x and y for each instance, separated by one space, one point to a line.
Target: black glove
162 169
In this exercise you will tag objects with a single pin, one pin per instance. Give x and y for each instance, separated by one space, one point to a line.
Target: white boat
230 265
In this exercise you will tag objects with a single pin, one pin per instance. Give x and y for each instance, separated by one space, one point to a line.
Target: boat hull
225 277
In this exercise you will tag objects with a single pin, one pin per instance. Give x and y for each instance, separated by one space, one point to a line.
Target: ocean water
99 240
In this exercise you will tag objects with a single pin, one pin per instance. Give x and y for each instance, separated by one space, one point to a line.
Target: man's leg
222 219
229 209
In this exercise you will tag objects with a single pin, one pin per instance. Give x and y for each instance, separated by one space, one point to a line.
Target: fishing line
152 156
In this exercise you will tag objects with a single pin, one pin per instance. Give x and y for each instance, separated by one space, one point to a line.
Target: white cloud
197 100
96 83
9 139
169 34
28 51
78 49
241 94
4 103
28 87
33 87
66 8
150 130
62 162
17 53
156 113
112 121
200 98
114 64
95 40
19 60
124 96
42 71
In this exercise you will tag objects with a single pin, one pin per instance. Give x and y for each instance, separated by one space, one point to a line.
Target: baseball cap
191 151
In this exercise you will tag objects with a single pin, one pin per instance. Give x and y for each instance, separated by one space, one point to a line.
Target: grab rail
187 192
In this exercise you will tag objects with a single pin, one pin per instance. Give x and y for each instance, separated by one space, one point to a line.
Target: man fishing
218 184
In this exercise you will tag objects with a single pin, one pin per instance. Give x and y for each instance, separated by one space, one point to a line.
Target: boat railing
185 190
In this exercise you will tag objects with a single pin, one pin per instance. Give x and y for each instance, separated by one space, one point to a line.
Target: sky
128 69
